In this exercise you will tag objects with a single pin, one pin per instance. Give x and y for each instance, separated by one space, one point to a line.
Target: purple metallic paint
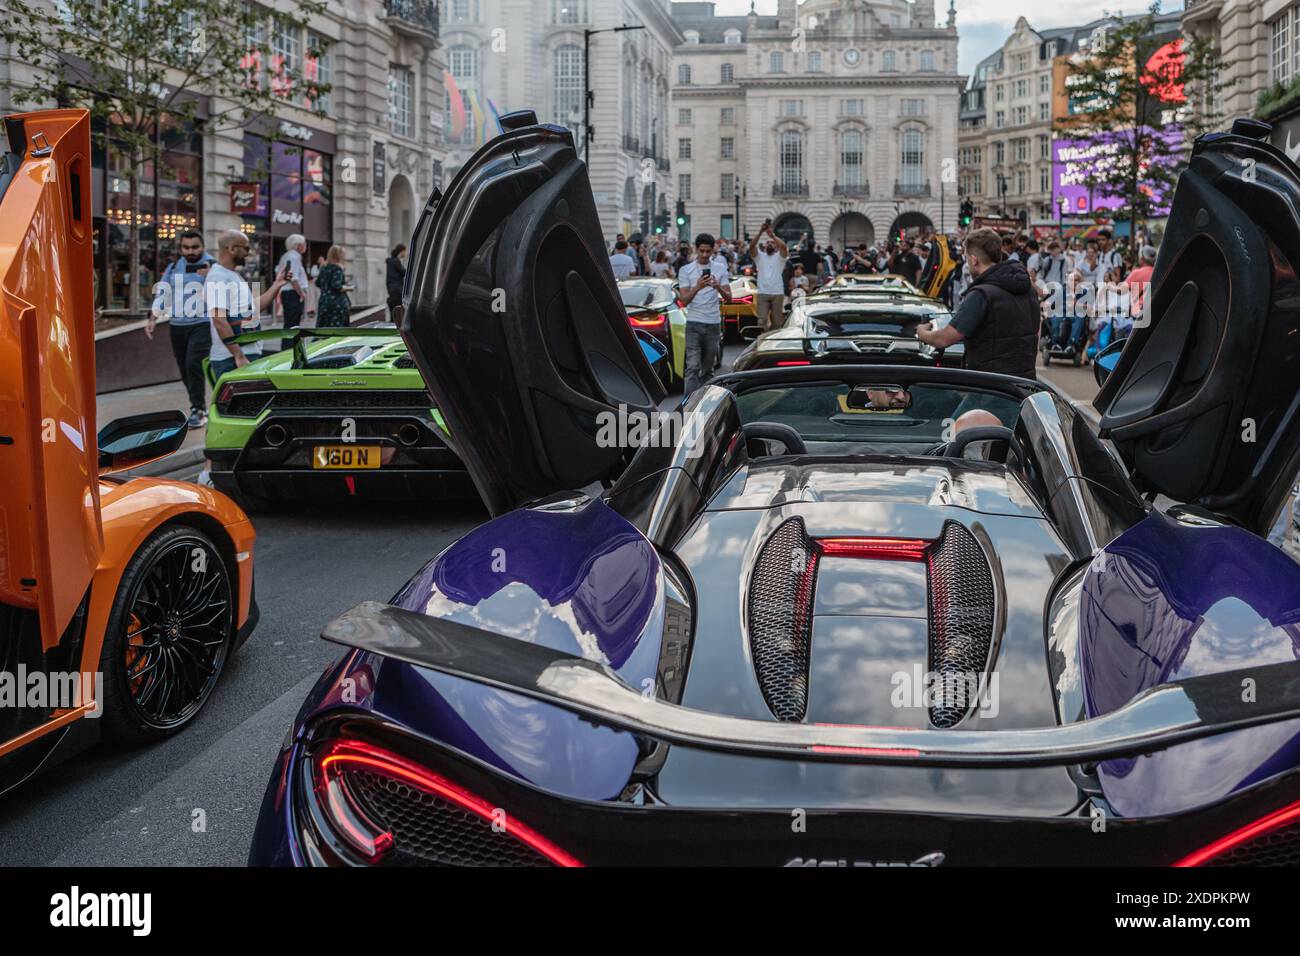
583 581
1170 599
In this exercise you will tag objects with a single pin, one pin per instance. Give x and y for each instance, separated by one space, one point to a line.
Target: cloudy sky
983 25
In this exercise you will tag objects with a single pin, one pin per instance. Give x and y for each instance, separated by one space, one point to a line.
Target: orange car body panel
63 528
50 535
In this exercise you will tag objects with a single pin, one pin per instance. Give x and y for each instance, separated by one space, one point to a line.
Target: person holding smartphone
703 285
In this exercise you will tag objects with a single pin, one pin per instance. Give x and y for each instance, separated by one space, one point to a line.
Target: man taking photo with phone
703 285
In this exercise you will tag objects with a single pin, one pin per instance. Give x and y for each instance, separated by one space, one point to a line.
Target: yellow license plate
346 457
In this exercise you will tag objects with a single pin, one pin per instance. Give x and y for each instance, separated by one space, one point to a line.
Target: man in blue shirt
178 296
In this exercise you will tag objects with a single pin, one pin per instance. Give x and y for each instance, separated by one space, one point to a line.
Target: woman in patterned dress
334 307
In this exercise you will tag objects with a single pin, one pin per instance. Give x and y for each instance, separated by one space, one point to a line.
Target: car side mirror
750 333
136 440
1105 361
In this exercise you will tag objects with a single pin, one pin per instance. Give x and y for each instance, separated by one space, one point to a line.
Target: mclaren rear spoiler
1161 717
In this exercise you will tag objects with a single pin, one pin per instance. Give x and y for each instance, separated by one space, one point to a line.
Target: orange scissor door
50 533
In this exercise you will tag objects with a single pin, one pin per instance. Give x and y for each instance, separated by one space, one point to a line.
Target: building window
1283 60
1044 180
728 224
317 71
728 189
927 61
728 73
791 171
685 118
684 187
692 37
568 11
461 11
888 61
401 100
999 153
460 127
851 107
999 93
1045 83
731 37
1022 115
852 149
776 62
286 50
815 62
913 159
684 74
792 107
1044 112
728 147
1020 182
569 85
1044 148
911 107
727 117
1022 87
999 119
684 148
1022 150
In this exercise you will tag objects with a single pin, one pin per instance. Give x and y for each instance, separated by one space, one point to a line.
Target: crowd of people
1081 293
207 304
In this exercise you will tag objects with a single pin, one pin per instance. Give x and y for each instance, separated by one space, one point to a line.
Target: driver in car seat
975 418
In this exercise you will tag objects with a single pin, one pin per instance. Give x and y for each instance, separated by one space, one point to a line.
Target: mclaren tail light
1272 840
383 808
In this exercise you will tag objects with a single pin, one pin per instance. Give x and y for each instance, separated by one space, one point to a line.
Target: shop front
287 189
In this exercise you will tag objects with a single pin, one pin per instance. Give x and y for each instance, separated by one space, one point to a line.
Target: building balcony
858 191
921 190
790 189
415 18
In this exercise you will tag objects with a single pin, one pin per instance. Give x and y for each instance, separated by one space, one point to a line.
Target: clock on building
852 56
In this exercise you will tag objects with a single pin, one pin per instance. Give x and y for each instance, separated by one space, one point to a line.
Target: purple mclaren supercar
802 620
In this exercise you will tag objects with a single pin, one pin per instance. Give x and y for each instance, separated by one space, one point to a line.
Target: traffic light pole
588 95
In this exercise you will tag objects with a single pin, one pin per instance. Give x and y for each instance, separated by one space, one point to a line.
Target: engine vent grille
430 831
1278 848
780 618
358 400
962 608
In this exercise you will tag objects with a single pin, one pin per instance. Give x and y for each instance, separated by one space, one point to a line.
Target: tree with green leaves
1137 100
142 68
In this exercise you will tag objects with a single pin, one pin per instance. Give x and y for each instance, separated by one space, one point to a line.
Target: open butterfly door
50 532
1204 403
515 321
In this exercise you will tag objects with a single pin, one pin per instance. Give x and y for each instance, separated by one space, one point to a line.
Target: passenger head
983 249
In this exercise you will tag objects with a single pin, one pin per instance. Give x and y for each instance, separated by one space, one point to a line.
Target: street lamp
589 97
1002 191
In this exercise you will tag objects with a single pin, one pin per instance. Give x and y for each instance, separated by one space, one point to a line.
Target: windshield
820 413
646 295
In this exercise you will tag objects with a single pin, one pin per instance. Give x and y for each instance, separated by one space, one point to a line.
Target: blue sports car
828 615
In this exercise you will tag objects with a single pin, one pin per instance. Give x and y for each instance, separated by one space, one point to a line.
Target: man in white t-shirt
769 257
622 264
232 310
703 284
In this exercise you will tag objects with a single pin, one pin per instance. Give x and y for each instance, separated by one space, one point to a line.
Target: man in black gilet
998 317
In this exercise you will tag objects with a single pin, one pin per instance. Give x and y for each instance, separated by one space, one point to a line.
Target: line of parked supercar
690 637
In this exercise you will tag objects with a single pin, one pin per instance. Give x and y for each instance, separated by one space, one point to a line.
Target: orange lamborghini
119 598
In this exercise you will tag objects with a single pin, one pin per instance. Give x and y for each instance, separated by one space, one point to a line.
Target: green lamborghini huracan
343 413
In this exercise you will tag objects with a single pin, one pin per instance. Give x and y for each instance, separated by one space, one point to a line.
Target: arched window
460 128
913 159
852 150
684 74
728 73
568 88
888 61
791 171
568 11
692 36
776 61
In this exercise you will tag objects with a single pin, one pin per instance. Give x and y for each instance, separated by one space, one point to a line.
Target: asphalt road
126 807
116 806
